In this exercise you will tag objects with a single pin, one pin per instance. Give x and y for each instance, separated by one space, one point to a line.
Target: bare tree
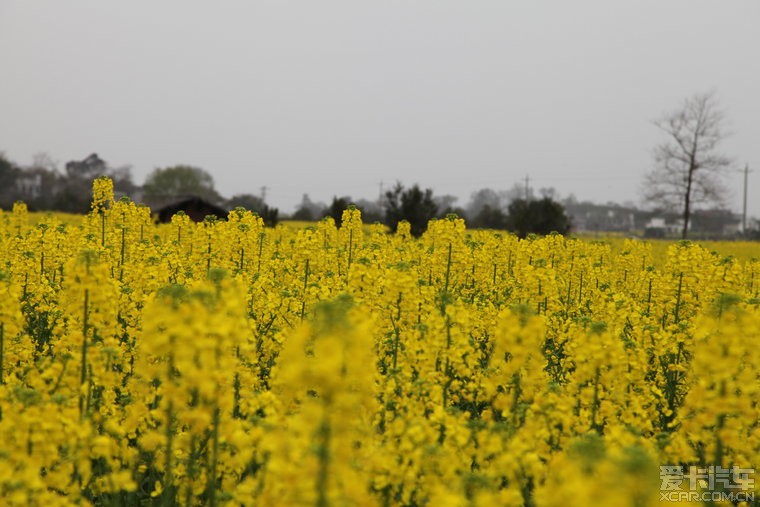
688 168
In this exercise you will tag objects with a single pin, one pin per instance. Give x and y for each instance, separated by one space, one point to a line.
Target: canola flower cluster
224 363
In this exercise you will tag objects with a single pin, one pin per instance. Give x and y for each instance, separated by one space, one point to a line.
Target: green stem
594 406
261 248
516 392
168 471
190 473
214 459
350 249
678 297
305 283
395 346
2 351
167 497
718 427
88 399
121 255
83 372
208 261
2 347
448 270
323 455
236 396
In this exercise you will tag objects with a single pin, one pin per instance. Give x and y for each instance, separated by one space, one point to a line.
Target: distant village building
587 216
194 207
703 224
715 223
612 217
29 185
663 225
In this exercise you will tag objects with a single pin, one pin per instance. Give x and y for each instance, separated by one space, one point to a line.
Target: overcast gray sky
333 97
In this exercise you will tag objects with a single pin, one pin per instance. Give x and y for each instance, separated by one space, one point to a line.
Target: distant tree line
44 187
513 210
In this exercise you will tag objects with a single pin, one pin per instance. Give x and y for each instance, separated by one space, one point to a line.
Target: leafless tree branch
687 167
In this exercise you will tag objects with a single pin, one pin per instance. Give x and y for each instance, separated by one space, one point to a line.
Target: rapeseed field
225 363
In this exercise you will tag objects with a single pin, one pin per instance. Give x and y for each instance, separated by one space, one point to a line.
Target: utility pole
264 189
744 206
527 191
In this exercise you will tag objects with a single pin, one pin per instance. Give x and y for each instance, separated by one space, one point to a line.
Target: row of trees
183 180
417 206
43 187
